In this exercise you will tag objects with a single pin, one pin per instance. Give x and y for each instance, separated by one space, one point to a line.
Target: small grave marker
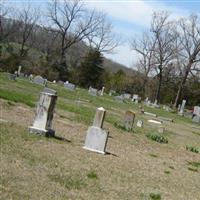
96 138
129 120
140 123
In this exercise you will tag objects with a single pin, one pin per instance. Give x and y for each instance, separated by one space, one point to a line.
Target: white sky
130 19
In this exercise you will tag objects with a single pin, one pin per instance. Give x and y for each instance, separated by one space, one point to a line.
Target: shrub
155 196
156 137
193 149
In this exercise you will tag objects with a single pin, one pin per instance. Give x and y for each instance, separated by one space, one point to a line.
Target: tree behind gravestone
91 70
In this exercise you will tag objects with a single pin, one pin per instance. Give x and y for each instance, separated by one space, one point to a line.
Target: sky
130 18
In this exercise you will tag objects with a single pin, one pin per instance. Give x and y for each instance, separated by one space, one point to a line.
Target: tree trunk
159 87
182 83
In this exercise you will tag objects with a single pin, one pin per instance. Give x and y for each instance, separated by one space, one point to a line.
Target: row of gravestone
96 138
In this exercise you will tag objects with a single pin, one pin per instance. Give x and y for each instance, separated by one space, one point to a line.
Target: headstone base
47 133
96 140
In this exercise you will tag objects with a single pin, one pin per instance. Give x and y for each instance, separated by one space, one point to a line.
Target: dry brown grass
34 167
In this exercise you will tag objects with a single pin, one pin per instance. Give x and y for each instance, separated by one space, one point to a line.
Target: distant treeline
71 48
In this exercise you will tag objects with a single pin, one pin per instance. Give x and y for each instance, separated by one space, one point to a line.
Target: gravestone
196 114
111 92
96 138
140 123
49 90
181 112
44 114
127 96
129 120
102 91
136 98
31 77
13 77
19 70
69 86
161 129
39 80
92 91
119 98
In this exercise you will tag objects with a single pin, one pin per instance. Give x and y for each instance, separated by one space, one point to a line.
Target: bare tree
26 24
190 52
165 35
144 46
72 22
7 26
102 38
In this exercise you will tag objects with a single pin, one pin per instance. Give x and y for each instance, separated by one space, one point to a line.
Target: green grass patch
194 164
92 175
155 196
157 137
167 172
17 97
193 149
153 155
193 169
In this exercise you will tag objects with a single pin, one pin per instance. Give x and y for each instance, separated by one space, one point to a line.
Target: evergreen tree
91 70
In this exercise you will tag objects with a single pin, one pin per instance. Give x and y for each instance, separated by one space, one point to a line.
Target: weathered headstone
49 90
181 112
69 86
161 129
44 114
13 77
136 98
119 98
102 91
19 70
196 114
127 96
92 91
129 120
111 92
96 138
140 123
39 80
31 77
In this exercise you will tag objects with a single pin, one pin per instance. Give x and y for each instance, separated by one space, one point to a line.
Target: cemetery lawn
135 167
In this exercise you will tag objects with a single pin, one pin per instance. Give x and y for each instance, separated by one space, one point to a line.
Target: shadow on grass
61 138
112 154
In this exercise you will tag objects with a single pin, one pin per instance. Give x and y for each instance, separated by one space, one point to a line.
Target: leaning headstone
139 123
39 80
69 86
181 112
44 114
129 120
96 138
